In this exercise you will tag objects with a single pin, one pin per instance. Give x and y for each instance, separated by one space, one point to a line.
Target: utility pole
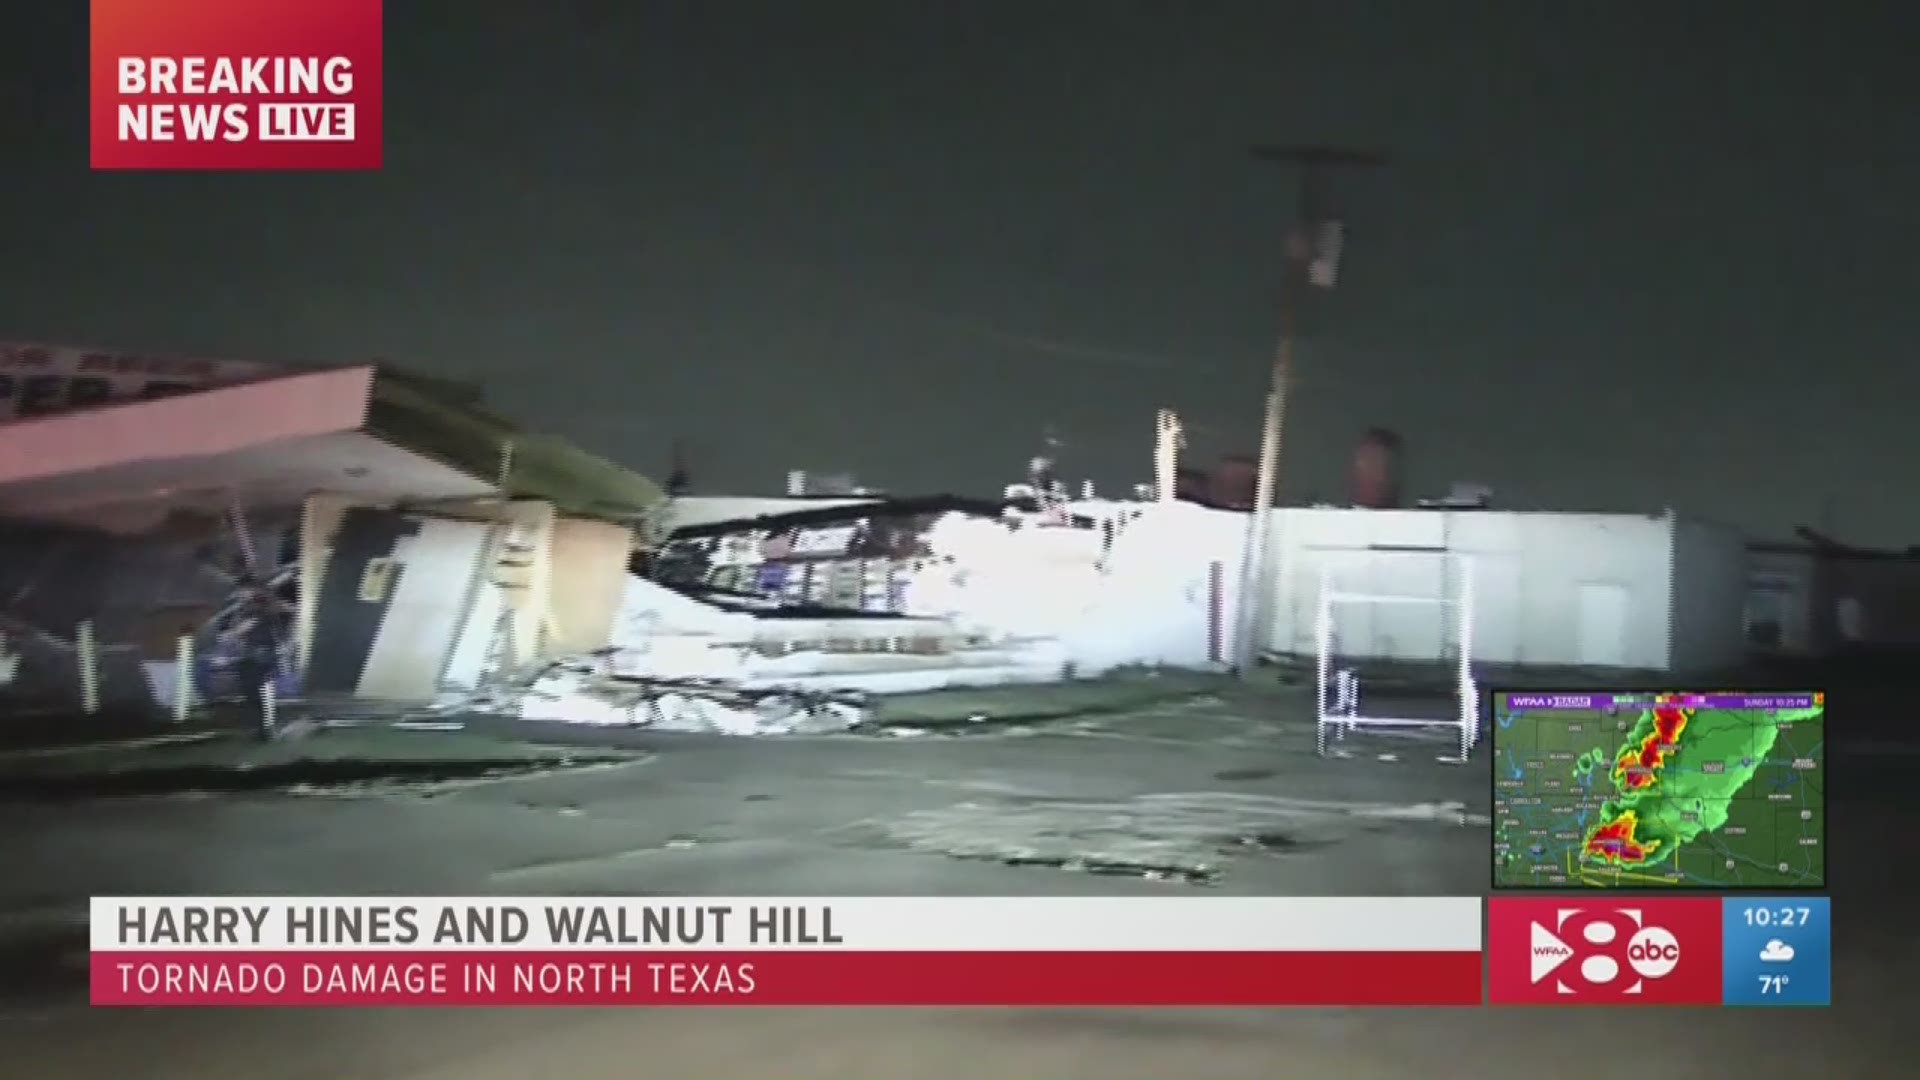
1314 245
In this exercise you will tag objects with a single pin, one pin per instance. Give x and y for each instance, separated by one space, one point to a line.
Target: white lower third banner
562 951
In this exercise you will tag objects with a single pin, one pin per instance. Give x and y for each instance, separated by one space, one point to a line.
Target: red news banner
477 951
235 84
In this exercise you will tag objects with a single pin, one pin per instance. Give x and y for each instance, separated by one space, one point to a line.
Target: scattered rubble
586 690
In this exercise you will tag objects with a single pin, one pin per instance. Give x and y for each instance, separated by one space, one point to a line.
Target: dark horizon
1621 260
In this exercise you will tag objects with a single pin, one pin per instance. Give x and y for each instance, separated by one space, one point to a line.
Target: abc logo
1653 952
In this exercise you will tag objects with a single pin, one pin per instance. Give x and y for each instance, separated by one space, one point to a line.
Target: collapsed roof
272 436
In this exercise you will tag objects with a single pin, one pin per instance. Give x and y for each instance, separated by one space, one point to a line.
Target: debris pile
586 690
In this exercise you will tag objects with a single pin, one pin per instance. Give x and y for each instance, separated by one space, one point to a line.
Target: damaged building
396 542
1638 592
393 535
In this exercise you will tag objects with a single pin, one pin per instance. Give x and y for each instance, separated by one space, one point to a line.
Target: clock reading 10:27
1784 916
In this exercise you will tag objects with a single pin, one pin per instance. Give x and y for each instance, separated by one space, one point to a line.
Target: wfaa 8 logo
1655 951
1607 957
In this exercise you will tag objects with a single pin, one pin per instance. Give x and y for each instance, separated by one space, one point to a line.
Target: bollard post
269 706
183 678
87 657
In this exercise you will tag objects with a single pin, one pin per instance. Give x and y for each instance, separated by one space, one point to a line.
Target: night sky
1627 255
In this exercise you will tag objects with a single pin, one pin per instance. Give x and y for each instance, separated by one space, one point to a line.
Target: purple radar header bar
1642 701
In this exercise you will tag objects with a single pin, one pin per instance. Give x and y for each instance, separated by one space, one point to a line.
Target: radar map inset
1644 790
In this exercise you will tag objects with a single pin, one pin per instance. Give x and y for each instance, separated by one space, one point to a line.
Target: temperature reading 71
1773 984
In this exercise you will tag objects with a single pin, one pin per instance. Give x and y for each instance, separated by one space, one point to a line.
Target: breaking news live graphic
227 85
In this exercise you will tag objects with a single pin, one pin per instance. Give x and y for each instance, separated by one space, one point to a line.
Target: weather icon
1776 952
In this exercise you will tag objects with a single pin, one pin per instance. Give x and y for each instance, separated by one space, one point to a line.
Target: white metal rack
1337 689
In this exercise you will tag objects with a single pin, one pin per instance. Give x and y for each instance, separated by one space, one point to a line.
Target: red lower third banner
441 978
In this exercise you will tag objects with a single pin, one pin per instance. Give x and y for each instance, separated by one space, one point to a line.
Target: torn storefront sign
36 380
846 558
